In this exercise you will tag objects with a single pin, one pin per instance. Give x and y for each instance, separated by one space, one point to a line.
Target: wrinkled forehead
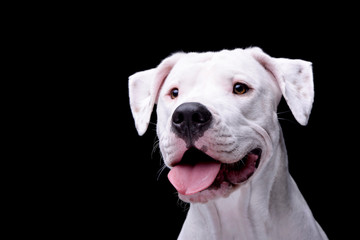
219 68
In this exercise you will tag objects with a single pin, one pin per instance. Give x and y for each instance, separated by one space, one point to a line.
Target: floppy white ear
295 79
143 91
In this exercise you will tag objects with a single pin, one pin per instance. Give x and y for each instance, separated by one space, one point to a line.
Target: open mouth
197 171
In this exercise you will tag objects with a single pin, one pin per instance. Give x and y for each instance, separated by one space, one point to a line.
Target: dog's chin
208 194
230 177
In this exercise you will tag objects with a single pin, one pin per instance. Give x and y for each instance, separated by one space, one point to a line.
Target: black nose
190 121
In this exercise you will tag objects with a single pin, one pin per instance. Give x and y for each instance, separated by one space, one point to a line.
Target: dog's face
217 121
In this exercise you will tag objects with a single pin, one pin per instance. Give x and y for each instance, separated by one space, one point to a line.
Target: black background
104 180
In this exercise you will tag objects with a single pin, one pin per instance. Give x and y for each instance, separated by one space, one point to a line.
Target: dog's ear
295 79
144 88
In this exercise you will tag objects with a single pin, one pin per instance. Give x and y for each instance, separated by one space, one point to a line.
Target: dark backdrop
113 184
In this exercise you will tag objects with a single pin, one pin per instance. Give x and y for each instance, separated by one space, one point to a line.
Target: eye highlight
240 88
174 93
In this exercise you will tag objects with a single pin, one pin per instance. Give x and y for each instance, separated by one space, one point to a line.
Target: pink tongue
189 179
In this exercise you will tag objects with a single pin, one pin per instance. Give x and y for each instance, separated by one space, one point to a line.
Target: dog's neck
255 212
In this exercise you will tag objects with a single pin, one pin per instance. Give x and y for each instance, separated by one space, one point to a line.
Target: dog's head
216 114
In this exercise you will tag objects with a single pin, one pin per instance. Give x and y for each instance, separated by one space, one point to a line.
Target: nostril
196 117
201 117
178 118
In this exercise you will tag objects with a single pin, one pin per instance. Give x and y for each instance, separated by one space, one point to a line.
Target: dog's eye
240 88
174 93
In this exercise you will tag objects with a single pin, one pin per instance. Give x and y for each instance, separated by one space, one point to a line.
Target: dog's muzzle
189 121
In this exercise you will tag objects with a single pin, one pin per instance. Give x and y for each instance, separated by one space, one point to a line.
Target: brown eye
240 88
174 93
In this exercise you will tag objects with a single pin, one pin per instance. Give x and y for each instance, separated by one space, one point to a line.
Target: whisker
184 205
152 123
288 120
283 112
155 146
160 172
242 162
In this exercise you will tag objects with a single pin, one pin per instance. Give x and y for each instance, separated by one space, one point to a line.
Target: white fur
268 205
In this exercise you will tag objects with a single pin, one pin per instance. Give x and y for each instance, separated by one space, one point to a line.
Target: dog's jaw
229 177
209 194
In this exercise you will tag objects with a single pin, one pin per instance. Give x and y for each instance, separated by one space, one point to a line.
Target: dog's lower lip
238 172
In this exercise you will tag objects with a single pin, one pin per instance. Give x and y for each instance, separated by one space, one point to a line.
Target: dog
219 134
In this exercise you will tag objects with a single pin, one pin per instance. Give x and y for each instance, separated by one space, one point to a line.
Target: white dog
220 136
